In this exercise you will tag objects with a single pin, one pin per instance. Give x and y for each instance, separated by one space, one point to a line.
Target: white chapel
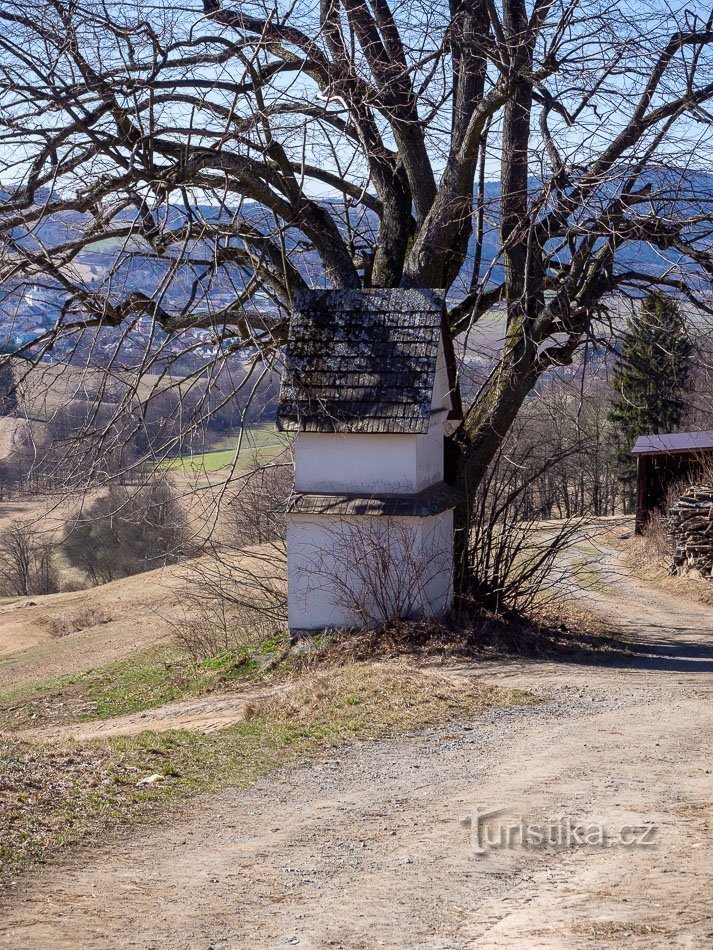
369 383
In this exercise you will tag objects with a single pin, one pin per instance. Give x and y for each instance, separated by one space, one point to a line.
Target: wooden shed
662 461
368 385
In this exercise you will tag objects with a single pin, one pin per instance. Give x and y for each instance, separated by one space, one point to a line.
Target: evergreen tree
651 379
8 393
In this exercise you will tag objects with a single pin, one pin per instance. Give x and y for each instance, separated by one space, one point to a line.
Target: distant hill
676 193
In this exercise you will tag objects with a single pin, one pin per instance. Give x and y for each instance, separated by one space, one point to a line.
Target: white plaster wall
373 463
321 559
429 453
369 463
437 537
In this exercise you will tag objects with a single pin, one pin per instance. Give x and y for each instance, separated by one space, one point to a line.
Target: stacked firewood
691 525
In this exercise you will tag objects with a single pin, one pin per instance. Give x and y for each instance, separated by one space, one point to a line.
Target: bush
515 561
212 628
63 624
127 531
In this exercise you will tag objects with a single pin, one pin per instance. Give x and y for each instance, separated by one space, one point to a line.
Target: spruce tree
8 393
651 378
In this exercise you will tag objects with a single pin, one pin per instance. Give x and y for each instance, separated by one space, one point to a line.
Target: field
50 386
259 445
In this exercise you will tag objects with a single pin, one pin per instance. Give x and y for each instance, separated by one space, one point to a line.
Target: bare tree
232 154
127 531
26 561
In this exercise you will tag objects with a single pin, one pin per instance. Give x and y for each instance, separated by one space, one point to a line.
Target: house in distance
368 385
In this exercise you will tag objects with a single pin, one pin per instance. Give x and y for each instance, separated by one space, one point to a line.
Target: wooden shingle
364 361
431 501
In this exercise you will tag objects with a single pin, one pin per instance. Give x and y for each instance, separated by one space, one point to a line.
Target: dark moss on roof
431 501
364 361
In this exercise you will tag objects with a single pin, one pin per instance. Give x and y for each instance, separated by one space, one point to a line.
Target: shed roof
364 361
672 442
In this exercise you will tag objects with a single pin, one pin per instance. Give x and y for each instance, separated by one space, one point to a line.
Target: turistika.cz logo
490 831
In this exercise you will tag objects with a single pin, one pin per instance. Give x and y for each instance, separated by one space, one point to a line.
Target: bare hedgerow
127 531
517 561
27 561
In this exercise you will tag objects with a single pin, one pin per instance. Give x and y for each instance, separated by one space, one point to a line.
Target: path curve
369 847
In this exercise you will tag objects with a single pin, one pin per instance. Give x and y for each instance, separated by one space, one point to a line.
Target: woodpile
691 525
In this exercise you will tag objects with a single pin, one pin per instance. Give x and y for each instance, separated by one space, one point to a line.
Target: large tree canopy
234 151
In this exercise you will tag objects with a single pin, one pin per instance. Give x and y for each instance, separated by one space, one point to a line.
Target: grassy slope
145 680
56 796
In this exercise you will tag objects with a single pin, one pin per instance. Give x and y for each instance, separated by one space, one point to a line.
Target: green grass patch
58 796
259 445
141 682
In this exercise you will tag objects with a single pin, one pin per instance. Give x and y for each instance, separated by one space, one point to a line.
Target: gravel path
372 846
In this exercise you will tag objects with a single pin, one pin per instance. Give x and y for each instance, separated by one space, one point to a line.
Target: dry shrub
213 628
513 564
650 553
378 570
656 542
256 512
66 623
235 593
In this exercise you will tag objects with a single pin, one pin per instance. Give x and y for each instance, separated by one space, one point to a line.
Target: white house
368 385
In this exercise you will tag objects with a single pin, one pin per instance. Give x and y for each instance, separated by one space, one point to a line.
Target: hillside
14 434
114 621
341 819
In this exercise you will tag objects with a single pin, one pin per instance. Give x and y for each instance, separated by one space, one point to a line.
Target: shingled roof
364 361
431 501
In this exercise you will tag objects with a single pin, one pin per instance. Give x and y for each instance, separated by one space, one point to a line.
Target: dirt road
372 847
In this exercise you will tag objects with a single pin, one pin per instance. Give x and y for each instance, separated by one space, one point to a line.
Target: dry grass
54 797
63 624
648 557
143 681
618 929
161 674
355 696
